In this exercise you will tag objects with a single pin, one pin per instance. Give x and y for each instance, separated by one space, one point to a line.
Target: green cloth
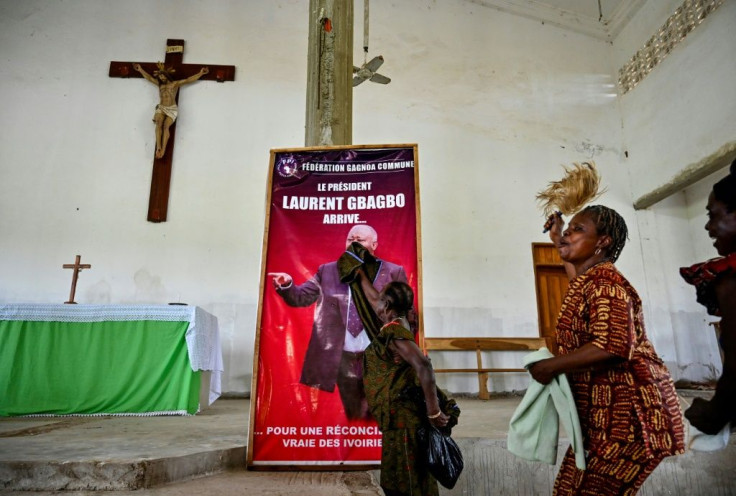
355 257
534 427
110 367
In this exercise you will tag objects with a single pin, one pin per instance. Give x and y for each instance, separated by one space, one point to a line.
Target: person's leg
620 470
569 477
402 471
350 385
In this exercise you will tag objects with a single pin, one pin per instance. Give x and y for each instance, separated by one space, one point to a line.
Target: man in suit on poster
335 351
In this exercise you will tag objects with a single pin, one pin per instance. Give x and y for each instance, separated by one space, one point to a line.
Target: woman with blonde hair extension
627 404
626 401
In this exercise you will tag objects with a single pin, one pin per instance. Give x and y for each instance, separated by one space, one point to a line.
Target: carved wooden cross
77 269
159 199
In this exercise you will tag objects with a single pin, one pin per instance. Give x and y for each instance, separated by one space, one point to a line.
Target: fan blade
379 78
374 63
355 69
357 80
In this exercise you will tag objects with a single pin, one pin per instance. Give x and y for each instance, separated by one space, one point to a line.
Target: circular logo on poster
287 166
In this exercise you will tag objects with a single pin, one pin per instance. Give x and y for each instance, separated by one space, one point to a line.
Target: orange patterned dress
629 411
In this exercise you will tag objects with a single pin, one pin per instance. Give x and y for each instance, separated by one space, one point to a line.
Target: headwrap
703 275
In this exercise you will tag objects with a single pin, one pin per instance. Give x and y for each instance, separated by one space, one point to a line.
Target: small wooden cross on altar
77 269
165 116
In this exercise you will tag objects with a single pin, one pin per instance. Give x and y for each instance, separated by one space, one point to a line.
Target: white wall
680 114
77 149
496 103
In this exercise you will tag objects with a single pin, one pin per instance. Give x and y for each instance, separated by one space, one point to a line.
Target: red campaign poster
307 405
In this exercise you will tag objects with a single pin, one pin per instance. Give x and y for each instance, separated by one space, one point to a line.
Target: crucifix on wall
169 76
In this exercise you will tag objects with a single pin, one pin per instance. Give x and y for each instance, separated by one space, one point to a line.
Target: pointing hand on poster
280 279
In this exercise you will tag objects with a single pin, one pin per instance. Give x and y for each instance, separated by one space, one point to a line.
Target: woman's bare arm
411 353
370 292
585 357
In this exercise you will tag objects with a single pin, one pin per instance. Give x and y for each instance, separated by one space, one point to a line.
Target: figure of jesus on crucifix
167 110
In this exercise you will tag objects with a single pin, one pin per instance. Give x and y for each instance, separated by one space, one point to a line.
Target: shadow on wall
98 294
698 354
237 323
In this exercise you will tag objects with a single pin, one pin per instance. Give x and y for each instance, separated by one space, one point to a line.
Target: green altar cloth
109 367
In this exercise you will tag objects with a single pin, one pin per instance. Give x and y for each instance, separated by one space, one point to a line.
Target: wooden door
550 280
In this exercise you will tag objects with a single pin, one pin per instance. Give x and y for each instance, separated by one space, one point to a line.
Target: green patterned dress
398 417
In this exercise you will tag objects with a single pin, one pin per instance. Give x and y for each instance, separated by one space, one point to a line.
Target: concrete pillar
329 73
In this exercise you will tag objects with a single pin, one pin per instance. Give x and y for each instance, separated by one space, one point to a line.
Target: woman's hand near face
555 226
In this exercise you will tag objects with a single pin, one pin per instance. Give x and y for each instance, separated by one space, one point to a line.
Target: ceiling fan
368 70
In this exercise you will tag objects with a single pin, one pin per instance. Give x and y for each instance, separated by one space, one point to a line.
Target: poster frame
264 281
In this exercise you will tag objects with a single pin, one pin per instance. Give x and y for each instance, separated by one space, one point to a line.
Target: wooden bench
479 345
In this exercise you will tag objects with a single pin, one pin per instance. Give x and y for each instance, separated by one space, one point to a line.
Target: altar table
107 359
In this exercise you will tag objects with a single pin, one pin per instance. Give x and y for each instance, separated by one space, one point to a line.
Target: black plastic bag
444 459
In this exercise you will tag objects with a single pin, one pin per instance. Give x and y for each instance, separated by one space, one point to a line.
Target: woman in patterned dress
627 404
715 283
393 365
